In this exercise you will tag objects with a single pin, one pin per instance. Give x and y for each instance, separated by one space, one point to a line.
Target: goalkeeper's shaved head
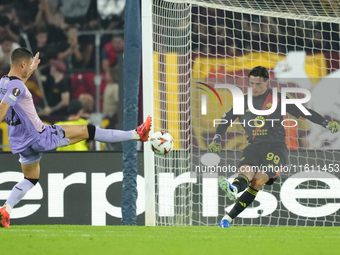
19 55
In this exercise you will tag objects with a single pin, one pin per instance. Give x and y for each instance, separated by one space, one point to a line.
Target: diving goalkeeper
267 144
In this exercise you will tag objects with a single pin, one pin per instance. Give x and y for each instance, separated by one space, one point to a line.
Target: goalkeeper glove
333 126
215 146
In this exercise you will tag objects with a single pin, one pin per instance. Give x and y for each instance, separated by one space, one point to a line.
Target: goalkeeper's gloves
333 126
215 146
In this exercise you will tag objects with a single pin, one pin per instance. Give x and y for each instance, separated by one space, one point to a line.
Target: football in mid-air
161 142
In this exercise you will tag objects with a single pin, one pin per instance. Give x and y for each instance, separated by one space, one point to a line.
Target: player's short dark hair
74 107
259 71
20 54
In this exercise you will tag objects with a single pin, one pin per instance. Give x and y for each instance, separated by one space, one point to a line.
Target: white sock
135 135
18 192
8 208
113 135
227 217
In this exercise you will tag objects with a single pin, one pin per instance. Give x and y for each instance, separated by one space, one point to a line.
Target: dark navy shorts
268 157
51 138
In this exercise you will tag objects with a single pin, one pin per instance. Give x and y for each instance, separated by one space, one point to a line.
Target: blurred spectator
45 14
6 48
111 13
9 24
88 41
75 110
76 55
75 11
30 7
110 51
225 44
27 26
8 30
88 105
111 97
47 52
57 92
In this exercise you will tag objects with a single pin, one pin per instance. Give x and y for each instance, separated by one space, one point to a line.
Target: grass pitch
68 239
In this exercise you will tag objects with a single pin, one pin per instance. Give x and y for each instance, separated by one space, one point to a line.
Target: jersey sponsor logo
16 92
259 121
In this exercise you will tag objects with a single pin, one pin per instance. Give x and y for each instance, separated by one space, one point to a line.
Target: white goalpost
148 106
191 45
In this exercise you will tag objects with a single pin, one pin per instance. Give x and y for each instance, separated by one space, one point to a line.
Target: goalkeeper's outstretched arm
333 126
215 146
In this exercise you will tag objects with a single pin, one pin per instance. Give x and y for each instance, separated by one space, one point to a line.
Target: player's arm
15 93
315 117
3 110
33 66
215 146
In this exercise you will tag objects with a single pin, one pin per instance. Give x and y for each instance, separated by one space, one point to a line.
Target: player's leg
31 177
249 195
250 158
246 199
273 158
81 132
240 183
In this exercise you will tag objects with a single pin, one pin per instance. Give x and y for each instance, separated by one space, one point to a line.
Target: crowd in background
227 33
52 27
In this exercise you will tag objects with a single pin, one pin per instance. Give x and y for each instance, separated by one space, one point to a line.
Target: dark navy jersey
264 128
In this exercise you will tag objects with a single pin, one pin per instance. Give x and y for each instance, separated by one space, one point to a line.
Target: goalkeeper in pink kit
267 144
29 137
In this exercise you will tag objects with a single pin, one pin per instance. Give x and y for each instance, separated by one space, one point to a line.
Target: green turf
61 239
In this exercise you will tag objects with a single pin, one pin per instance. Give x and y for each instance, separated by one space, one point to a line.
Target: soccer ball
161 142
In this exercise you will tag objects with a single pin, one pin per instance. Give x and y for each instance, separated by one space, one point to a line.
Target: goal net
200 45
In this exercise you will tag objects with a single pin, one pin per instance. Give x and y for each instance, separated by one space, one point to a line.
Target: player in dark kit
262 160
